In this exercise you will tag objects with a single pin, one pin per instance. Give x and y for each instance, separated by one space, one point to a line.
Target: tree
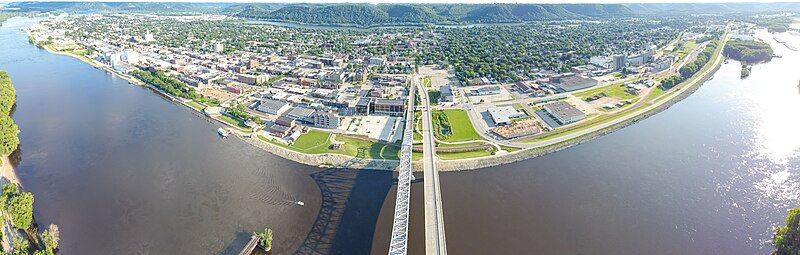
20 207
8 135
51 237
787 238
9 190
266 238
21 245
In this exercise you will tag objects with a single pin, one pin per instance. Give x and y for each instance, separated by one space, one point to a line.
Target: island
787 237
748 51
336 96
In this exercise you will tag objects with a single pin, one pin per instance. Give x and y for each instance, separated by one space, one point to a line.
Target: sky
437 1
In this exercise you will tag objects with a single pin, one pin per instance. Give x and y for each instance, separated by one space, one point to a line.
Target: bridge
434 221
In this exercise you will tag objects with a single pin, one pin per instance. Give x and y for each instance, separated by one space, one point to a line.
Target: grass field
657 91
458 123
509 149
465 154
196 105
235 122
459 145
313 142
685 49
616 90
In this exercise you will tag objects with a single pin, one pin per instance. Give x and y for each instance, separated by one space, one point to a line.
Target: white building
602 62
219 47
131 57
502 115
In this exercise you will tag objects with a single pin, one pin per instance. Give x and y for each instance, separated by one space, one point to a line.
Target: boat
300 203
222 132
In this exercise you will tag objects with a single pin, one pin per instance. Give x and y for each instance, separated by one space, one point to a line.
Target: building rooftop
446 90
270 105
573 82
300 112
383 101
563 110
503 114
364 101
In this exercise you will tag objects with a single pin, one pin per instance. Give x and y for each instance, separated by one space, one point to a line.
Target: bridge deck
435 242
399 241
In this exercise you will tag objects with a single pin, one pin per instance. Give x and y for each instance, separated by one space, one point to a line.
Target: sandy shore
8 170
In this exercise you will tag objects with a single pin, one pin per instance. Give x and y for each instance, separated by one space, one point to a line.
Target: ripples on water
765 175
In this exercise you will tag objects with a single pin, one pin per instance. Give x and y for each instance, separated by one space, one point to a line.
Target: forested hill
388 14
368 14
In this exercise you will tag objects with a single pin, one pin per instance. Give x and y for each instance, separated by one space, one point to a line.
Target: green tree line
9 131
172 86
787 238
691 68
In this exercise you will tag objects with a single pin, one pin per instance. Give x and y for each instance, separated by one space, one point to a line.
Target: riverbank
689 87
8 171
319 160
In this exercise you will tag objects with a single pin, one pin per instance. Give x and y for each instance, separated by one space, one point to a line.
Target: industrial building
502 115
564 112
445 93
271 106
570 82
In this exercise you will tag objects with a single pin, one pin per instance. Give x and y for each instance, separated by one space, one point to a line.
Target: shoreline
330 160
318 160
8 171
524 154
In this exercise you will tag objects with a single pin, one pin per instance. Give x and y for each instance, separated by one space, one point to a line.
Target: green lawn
235 122
657 91
417 126
685 49
509 149
459 145
466 154
457 126
352 145
416 155
196 105
313 142
616 90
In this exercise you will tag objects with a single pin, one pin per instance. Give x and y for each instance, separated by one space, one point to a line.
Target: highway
435 242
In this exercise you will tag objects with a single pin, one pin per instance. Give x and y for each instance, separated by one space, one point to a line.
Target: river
122 170
710 175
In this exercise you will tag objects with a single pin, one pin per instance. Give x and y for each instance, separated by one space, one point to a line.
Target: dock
252 248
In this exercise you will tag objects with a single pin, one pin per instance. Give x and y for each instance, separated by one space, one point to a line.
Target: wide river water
123 171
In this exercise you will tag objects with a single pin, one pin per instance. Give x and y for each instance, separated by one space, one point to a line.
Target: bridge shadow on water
351 203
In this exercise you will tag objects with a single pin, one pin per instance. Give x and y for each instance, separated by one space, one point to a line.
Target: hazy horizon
432 2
